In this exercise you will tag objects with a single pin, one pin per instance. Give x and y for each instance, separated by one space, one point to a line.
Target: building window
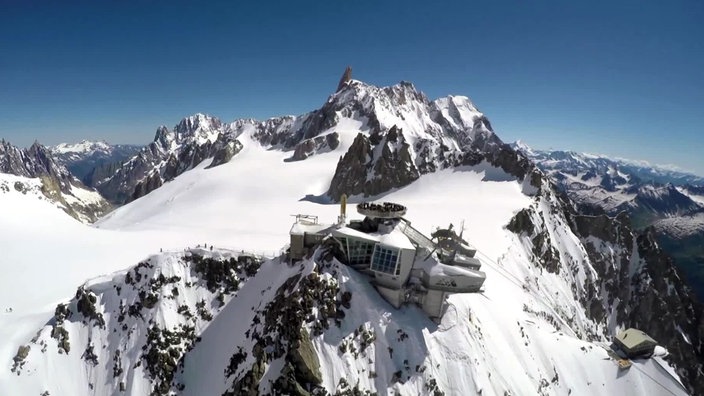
359 252
385 260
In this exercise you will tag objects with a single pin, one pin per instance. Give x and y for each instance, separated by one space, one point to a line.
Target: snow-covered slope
510 338
196 321
695 193
129 332
84 147
513 338
683 236
683 226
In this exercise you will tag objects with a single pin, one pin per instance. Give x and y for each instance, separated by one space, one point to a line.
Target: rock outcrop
374 165
318 144
346 77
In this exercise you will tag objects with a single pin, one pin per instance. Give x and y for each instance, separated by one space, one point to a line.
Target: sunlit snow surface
486 343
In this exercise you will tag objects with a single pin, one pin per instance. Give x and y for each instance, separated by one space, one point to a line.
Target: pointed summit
346 77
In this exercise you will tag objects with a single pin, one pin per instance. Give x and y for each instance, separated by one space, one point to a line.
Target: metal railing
416 236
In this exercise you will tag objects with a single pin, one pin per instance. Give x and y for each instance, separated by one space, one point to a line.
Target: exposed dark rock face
100 173
315 145
147 185
302 301
350 175
305 359
33 162
374 165
688 251
225 152
521 223
346 77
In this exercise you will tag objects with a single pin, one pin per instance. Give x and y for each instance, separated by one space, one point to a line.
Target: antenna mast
342 218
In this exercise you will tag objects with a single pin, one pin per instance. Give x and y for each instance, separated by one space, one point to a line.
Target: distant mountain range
92 161
574 162
669 200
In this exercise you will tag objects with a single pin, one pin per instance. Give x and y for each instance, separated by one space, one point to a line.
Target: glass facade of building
359 252
385 260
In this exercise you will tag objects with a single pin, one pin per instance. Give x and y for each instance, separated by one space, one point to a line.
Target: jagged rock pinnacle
346 76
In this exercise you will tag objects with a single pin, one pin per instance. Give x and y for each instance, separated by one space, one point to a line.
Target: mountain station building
403 264
635 343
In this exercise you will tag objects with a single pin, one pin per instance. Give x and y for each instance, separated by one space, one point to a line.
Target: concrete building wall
296 251
393 296
312 239
406 260
433 303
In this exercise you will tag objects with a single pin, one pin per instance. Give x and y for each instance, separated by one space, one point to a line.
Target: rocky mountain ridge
647 193
602 185
57 183
575 162
437 134
404 135
172 152
634 283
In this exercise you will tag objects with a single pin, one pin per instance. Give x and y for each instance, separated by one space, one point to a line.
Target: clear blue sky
623 78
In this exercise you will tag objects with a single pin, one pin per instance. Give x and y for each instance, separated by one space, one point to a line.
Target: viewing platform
383 210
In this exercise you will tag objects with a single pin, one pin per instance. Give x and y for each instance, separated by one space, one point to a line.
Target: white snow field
487 344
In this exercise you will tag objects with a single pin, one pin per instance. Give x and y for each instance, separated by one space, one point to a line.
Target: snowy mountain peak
404 106
356 91
523 147
85 147
197 123
199 127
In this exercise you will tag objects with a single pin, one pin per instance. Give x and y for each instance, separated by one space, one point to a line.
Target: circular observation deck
383 210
